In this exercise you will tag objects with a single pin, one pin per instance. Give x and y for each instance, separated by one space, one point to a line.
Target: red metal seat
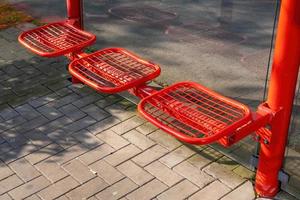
56 39
113 70
193 113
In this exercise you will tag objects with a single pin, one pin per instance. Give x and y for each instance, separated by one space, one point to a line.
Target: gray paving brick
9 183
176 156
43 100
139 139
80 124
33 197
150 155
122 155
112 139
147 191
127 125
5 147
34 123
135 173
70 153
11 123
65 100
213 191
165 140
109 100
95 112
193 174
24 169
17 153
72 112
204 158
103 125
5 197
146 128
243 192
29 188
179 191
49 112
96 154
51 170
5 171
106 171
62 138
43 153
119 112
14 138
59 188
88 189
78 171
27 111
163 173
117 190
7 112
86 100
224 175
37 138
87 139
54 125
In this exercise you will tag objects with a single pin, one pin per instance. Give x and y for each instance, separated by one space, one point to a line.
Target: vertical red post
281 94
75 12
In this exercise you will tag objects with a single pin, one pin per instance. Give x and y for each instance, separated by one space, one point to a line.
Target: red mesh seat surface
56 39
113 70
193 113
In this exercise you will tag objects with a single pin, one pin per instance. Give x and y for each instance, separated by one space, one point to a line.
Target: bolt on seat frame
188 111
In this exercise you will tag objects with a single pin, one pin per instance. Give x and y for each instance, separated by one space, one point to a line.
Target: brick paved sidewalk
65 141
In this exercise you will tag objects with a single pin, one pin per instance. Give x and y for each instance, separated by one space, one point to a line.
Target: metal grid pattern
189 110
56 38
114 68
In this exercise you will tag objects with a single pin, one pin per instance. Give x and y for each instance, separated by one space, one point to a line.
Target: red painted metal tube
281 94
75 12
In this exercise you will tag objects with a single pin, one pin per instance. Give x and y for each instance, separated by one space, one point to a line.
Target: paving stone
244 172
32 124
37 138
148 191
135 173
224 175
180 191
103 125
9 183
7 112
139 139
43 100
122 155
49 112
146 128
70 153
96 154
79 124
78 171
88 189
227 163
109 100
59 188
113 139
165 140
17 153
5 197
193 174
51 170
54 125
163 173
106 171
204 158
27 111
14 138
243 192
176 156
29 188
33 197
62 138
95 112
86 100
11 123
213 191
72 112
150 155
5 147
127 125
5 171
87 139
119 112
43 153
117 190
24 169
65 100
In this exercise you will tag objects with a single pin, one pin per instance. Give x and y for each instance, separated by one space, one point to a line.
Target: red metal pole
75 12
281 94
